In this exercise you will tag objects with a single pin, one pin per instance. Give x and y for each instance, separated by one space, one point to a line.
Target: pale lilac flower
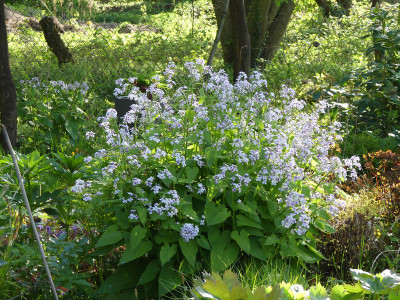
189 232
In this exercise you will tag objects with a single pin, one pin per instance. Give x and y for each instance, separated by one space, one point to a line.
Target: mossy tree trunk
253 30
51 28
8 95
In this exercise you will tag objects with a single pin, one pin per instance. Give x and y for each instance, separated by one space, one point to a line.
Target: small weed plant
205 171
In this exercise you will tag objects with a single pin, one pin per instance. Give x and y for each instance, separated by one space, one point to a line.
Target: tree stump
51 28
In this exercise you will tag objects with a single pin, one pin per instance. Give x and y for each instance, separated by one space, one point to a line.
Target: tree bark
8 95
241 38
258 22
51 27
219 32
226 35
277 29
326 7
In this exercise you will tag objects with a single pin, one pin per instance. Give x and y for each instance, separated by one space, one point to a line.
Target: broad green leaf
110 236
215 214
151 272
242 220
394 296
216 288
242 239
211 156
133 253
223 252
318 292
339 292
271 240
137 235
169 280
188 211
191 173
324 226
166 253
256 249
272 206
275 293
142 214
189 250
203 243
126 276
354 289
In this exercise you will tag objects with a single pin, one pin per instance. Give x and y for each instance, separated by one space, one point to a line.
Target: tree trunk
8 95
253 29
226 35
258 22
326 7
277 29
51 27
241 38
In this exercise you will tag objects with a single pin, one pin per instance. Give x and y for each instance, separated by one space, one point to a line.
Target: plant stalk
28 208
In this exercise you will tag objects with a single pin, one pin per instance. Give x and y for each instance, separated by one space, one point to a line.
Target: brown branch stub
51 28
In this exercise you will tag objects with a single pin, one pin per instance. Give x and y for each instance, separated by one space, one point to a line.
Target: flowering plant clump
53 112
207 170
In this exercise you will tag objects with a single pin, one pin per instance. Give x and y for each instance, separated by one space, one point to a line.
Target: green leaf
257 250
166 253
339 292
271 240
189 250
211 156
318 292
110 236
272 206
3 263
223 251
215 214
188 211
169 280
191 173
393 296
242 220
324 226
133 253
242 239
137 235
142 214
203 243
151 272
125 277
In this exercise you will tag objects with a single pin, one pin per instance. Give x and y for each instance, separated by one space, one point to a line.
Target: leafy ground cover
202 174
